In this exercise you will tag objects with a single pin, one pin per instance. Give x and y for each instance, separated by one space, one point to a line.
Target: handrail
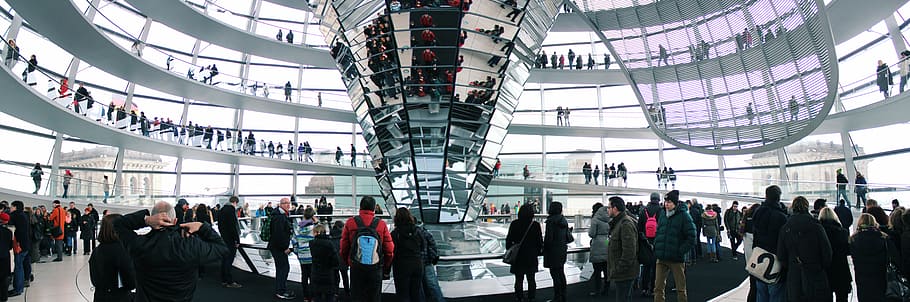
193 67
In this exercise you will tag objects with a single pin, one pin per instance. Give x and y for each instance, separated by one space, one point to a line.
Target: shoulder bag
511 254
898 288
764 266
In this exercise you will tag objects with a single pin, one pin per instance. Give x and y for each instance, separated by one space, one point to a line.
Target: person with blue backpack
367 247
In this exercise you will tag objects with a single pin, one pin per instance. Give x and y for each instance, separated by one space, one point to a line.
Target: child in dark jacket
324 277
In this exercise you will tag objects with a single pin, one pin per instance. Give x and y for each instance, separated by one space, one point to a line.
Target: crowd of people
613 174
574 61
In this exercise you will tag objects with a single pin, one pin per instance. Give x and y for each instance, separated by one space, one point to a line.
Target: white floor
60 281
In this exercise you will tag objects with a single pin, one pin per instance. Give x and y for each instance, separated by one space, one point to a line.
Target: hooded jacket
675 234
710 223
350 229
555 247
600 235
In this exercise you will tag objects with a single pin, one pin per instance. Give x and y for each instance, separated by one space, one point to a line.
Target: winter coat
868 250
168 261
58 217
407 258
110 267
555 247
905 245
675 234
884 78
805 253
623 248
600 235
281 231
303 235
845 215
732 217
526 262
839 277
710 223
87 226
695 212
767 221
842 181
323 278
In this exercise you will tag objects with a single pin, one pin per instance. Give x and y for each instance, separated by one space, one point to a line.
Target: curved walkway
890 111
67 27
852 17
181 17
295 4
33 107
577 188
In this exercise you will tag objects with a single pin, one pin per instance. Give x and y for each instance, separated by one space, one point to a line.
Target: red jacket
58 217
350 228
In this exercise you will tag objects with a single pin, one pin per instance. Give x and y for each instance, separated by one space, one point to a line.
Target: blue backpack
366 246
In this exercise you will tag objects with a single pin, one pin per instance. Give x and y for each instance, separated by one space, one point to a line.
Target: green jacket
675 235
622 262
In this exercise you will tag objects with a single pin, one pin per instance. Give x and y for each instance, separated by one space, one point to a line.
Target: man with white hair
167 259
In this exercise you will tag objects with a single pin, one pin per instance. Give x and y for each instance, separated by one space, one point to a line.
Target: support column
543 153
721 178
894 31
784 178
603 144
55 166
660 153
131 87
847 145
118 178
179 168
13 31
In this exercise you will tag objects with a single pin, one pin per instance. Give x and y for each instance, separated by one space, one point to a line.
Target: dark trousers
409 281
698 252
112 295
58 248
519 285
647 277
282 268
4 278
86 246
344 280
366 285
306 271
623 290
558 274
600 283
227 263
735 241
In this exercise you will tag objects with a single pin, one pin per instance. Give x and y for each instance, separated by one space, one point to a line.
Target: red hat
4 218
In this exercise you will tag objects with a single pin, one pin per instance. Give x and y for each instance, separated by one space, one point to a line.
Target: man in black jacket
768 219
169 256
180 210
73 241
23 263
230 233
844 214
279 246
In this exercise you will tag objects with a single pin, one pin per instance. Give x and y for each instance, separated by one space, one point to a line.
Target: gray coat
600 235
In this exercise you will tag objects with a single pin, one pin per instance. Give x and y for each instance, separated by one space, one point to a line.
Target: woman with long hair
408 263
805 252
867 246
555 249
110 266
526 232
839 278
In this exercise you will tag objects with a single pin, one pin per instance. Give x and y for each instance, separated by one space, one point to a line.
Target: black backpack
408 243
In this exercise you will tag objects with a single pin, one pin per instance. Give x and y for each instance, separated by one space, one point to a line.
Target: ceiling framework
727 76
